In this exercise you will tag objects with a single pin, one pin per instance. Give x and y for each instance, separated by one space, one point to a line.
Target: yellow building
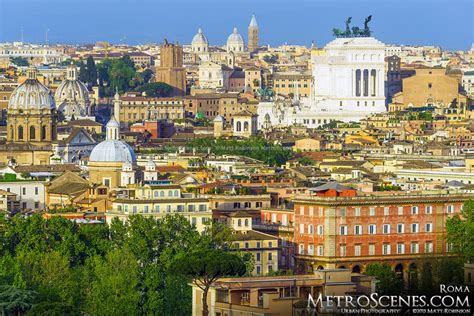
262 246
307 144
429 87
292 84
280 296
159 200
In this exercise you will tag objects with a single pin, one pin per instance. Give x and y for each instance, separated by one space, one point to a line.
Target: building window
310 250
430 85
385 249
320 229
372 211
400 210
310 229
343 230
400 248
450 208
311 211
358 230
428 247
270 256
371 249
429 209
357 211
301 229
414 210
257 256
372 229
386 211
301 210
320 212
301 249
400 228
386 228
259 270
357 250
429 227
414 247
414 228
320 250
342 212
342 250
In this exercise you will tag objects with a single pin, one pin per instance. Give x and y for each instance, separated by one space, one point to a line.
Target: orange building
353 231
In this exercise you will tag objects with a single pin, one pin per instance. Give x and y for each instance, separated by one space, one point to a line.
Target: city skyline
301 23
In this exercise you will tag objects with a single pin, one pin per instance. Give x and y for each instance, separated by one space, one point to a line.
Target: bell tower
253 31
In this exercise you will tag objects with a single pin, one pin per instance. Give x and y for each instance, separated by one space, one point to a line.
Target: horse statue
356 31
348 29
366 25
337 32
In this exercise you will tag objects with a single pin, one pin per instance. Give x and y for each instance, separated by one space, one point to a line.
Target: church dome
72 91
199 38
235 42
112 150
31 94
235 38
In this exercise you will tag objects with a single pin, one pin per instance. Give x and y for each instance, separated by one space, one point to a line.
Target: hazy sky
447 23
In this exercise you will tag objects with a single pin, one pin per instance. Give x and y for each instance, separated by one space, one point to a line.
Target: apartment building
159 200
351 232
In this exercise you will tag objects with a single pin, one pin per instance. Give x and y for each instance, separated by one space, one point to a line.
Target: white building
468 82
31 194
348 86
214 76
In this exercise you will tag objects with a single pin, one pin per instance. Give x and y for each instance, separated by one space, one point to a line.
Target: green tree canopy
156 89
205 266
460 231
19 61
388 281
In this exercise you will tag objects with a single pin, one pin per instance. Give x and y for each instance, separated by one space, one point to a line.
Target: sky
445 23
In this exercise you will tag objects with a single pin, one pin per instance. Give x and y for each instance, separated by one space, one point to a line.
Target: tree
146 75
114 289
19 61
460 231
205 266
91 71
14 300
156 89
83 74
388 281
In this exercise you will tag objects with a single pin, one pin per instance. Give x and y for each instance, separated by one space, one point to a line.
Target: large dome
200 38
235 38
31 94
112 150
72 91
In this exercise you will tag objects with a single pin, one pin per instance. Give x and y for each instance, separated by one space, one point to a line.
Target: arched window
246 126
239 126
246 222
43 132
239 222
20 132
32 133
